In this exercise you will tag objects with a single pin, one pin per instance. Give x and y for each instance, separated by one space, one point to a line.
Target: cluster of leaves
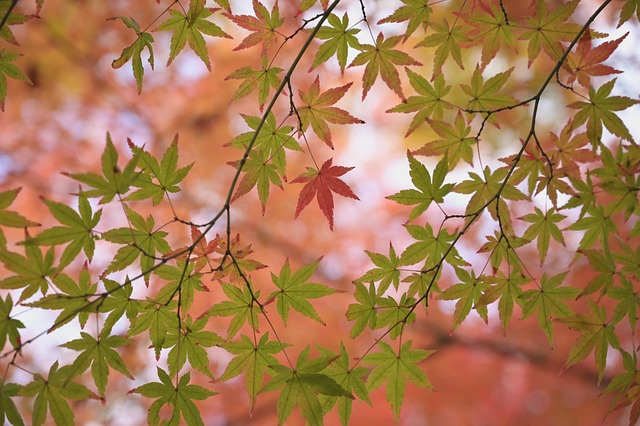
573 180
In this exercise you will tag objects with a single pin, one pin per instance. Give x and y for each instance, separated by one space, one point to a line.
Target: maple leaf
183 281
158 319
200 252
587 60
543 227
489 29
9 326
115 181
430 247
252 359
382 59
599 111
548 30
317 110
166 173
8 69
485 96
502 249
428 104
395 314
428 190
508 289
53 393
100 355
189 28
11 218
180 395
417 12
189 341
396 369
456 144
597 226
568 149
10 17
31 270
364 312
339 37
241 306
323 183
262 26
263 80
301 386
448 41
466 293
8 408
628 301
387 271
294 290
140 240
228 267
628 9
597 335
548 299
77 230
133 52
350 378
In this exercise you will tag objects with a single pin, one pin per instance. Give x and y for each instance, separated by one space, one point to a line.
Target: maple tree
529 214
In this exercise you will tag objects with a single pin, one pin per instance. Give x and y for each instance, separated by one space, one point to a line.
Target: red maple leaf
262 26
587 60
323 183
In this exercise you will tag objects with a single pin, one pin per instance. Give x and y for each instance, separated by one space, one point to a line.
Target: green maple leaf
543 227
430 247
428 190
485 95
628 301
382 59
417 12
252 359
272 139
158 319
241 306
118 303
339 37
599 111
165 173
259 170
73 299
447 41
134 51
349 378
628 9
394 314
8 69
486 188
364 312
189 28
263 80
100 355
31 270
141 241
603 263
52 393
502 249
9 326
467 293
180 395
77 230
10 17
316 110
190 343
548 30
263 26
114 181
386 272
597 226
294 290
548 299
456 144
182 283
301 386
8 408
507 288
429 102
11 218
396 369
491 30
597 335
